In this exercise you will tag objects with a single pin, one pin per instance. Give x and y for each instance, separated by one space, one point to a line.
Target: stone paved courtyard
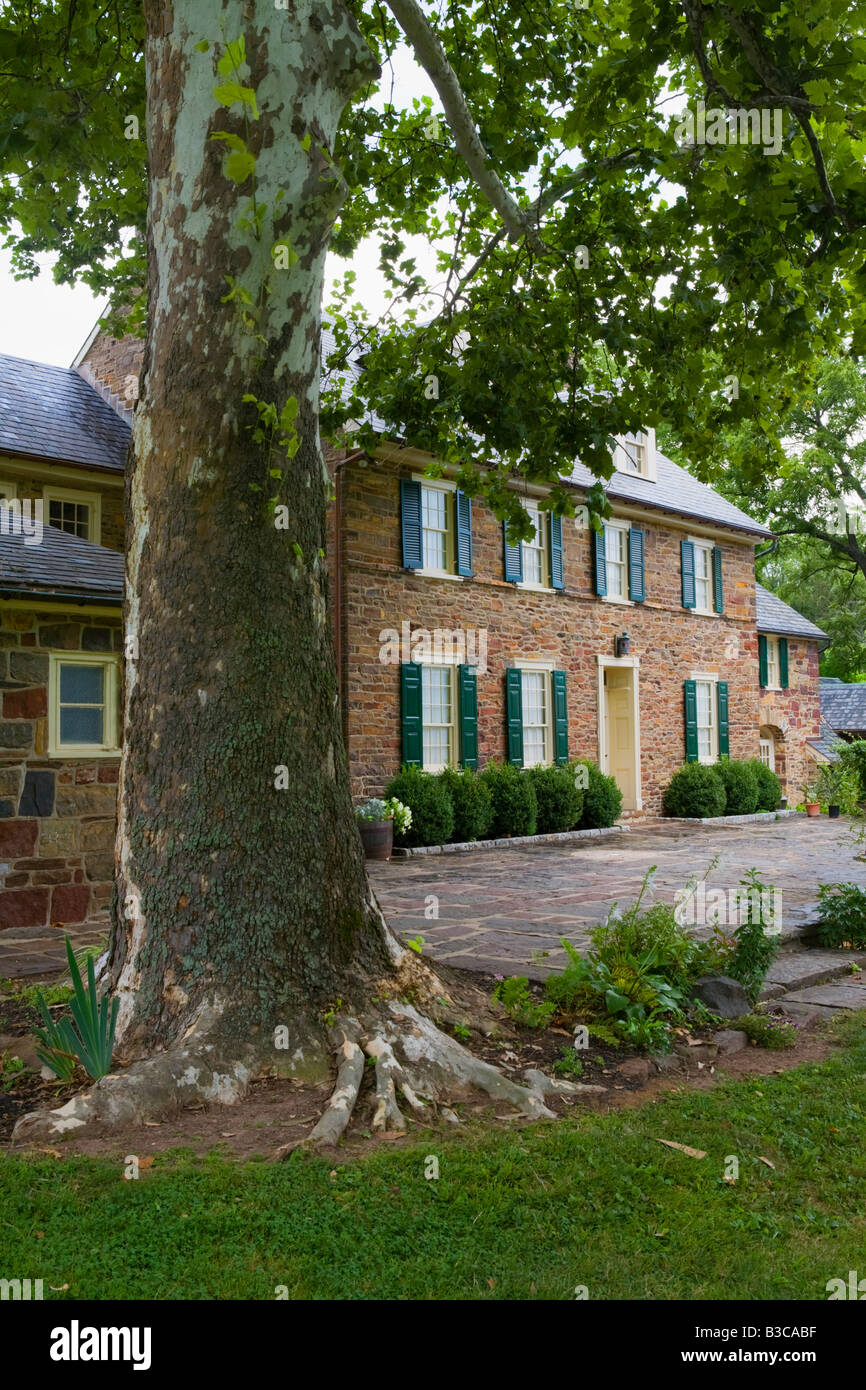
499 909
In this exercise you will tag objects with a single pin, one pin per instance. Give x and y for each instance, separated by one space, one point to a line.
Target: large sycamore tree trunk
236 900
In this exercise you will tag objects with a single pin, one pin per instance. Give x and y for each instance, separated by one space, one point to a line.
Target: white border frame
110 747
68 494
634 663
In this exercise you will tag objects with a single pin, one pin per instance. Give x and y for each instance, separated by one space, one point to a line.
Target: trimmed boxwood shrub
741 787
515 809
470 797
430 802
695 790
560 799
602 798
769 786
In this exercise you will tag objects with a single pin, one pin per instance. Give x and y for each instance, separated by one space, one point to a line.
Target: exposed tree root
413 1059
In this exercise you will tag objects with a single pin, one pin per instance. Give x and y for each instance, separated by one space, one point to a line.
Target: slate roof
825 746
52 413
776 616
844 706
60 565
674 490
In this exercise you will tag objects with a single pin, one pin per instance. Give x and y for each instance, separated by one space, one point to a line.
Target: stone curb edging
466 846
730 820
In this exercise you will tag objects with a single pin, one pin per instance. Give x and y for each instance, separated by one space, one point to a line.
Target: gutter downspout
339 465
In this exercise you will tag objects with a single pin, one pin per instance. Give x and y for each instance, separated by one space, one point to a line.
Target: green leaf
233 141
230 92
239 165
202 47
235 54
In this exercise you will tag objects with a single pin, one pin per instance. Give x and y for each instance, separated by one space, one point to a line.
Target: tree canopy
630 273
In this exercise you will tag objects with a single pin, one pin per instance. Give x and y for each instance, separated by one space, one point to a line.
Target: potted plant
376 821
811 799
830 786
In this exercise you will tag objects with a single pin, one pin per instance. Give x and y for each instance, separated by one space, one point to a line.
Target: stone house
642 646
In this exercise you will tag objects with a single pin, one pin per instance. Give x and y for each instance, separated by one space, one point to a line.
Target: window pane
80 724
434 524
535 716
436 715
81 685
73 517
614 550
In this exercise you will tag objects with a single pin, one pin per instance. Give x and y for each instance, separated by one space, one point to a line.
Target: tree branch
432 57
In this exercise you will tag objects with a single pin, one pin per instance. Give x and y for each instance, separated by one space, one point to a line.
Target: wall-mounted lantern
621 645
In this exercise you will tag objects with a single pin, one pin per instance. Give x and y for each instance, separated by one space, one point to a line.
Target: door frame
634 663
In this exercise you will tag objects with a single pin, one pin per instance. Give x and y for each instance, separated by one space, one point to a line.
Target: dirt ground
278 1111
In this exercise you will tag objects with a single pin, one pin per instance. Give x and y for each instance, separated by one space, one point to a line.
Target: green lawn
589 1201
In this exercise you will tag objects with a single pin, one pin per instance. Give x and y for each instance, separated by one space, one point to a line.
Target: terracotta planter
812 808
377 837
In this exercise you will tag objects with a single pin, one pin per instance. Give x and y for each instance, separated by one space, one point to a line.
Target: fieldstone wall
57 816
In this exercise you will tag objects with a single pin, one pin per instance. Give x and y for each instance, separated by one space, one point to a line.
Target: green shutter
783 662
463 525
557 572
636 585
687 560
514 716
410 514
513 558
560 718
600 563
690 700
410 703
724 721
718 586
762 660
468 716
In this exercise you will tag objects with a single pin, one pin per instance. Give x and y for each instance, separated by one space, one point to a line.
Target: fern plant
87 1037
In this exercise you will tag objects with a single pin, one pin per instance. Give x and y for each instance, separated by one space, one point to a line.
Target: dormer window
636 454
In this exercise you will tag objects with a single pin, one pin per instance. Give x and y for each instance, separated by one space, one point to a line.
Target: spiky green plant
87 1037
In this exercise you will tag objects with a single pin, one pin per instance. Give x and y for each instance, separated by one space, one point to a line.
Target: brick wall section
57 817
114 363
793 716
570 628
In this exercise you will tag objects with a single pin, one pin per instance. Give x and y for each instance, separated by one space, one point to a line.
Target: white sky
48 323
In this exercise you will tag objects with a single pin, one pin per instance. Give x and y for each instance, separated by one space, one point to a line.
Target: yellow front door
620 742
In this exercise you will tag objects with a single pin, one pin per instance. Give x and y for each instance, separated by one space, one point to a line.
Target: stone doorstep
514 841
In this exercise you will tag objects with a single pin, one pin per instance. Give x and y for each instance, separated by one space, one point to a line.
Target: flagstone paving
505 911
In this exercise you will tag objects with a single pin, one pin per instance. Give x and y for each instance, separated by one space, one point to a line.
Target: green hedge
602 798
473 807
769 786
429 800
559 798
695 790
515 808
741 787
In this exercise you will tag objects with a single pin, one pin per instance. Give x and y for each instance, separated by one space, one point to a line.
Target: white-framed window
707 720
636 453
616 559
703 551
768 753
83 714
536 558
8 490
78 513
536 691
438 716
773 671
437 531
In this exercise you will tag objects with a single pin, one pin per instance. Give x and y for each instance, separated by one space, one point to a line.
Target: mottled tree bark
236 902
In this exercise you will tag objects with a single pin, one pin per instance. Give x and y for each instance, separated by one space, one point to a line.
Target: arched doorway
773 752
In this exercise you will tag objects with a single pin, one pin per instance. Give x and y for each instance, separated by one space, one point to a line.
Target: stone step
795 970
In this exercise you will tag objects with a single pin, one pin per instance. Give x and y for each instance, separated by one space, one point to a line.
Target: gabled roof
674 490
776 616
844 706
52 413
825 746
61 565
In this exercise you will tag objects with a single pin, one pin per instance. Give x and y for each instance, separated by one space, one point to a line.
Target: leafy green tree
572 219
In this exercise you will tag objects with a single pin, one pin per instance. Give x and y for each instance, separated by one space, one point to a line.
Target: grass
593 1201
